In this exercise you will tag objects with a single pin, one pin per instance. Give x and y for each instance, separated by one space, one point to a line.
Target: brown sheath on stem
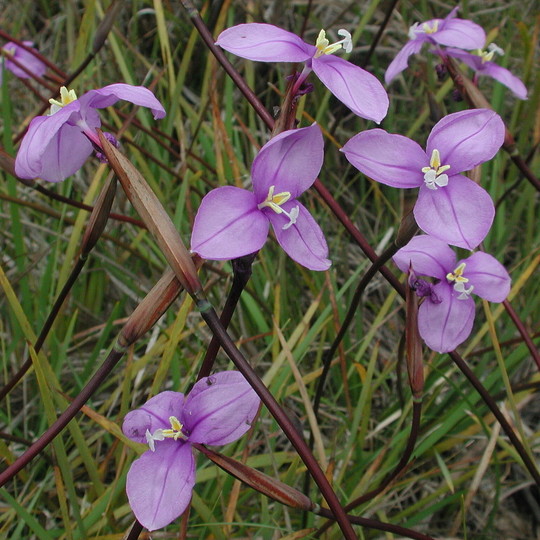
272 488
413 343
154 217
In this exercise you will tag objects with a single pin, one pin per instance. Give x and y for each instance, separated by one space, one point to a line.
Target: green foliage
457 484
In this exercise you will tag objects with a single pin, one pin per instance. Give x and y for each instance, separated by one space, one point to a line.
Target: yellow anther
487 55
325 47
66 97
457 275
430 29
176 429
275 201
433 175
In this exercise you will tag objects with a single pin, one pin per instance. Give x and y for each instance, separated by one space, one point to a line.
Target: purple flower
449 31
353 86
450 206
481 62
25 58
218 410
233 222
57 145
446 316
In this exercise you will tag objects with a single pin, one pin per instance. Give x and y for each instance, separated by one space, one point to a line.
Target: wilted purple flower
449 31
450 206
57 145
233 222
25 58
353 86
218 410
446 316
481 62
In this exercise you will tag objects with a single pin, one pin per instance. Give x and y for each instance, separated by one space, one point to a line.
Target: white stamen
492 47
464 292
325 47
292 215
412 30
433 175
346 42
157 436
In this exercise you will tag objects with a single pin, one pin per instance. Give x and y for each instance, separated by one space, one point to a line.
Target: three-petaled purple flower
218 410
481 62
450 206
446 316
353 86
57 145
450 32
33 64
232 222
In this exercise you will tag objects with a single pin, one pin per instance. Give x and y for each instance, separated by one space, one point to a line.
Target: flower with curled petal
232 222
360 91
446 315
450 32
450 206
34 65
481 61
57 145
218 410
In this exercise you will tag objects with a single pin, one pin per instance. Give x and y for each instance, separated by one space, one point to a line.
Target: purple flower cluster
33 65
450 206
218 410
446 316
232 222
57 145
360 91
458 36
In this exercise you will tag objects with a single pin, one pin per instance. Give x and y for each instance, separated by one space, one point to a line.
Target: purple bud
113 140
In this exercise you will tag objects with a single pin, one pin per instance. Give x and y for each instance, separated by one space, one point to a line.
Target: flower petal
159 484
53 148
353 86
401 61
460 33
304 241
428 256
154 414
391 159
265 43
467 138
109 95
461 213
220 408
488 276
505 77
290 161
228 225
445 325
33 64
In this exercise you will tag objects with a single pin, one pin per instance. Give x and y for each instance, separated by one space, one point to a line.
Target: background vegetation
465 479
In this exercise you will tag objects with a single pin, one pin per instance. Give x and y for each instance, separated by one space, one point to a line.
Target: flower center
66 97
433 175
325 47
488 54
275 201
175 432
459 282
423 28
